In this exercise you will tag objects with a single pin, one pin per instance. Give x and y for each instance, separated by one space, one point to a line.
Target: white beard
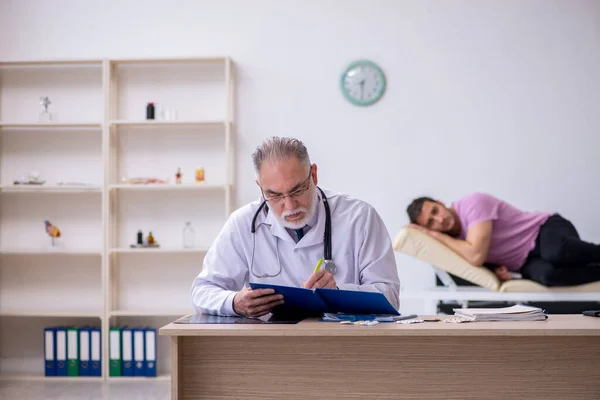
297 224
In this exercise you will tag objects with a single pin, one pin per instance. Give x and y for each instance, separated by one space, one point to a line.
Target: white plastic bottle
188 236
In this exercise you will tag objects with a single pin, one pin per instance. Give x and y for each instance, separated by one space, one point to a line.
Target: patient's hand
503 273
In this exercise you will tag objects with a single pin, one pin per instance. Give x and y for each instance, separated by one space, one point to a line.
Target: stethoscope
328 263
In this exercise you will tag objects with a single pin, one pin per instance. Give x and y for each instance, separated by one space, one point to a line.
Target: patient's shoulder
477 198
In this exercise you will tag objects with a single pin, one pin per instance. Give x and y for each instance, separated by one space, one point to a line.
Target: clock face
363 83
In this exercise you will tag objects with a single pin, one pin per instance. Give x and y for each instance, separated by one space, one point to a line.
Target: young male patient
541 246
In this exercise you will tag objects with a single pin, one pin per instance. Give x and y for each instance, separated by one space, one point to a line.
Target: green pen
318 265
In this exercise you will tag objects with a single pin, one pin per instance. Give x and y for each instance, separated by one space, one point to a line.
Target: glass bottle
178 176
188 235
200 175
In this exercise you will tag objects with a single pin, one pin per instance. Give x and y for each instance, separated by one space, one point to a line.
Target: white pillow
423 247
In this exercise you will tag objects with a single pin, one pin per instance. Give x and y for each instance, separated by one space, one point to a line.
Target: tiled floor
38 390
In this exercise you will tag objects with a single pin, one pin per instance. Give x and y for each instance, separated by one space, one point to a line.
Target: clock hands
363 83
362 89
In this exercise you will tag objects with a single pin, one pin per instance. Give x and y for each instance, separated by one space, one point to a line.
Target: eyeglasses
294 194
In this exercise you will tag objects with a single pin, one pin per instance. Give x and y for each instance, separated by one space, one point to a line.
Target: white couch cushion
525 285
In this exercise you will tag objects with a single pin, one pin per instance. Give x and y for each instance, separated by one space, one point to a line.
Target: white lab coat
361 249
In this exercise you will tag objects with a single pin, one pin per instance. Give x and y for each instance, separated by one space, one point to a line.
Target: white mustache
292 212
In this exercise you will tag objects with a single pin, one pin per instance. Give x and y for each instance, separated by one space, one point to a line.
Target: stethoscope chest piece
330 267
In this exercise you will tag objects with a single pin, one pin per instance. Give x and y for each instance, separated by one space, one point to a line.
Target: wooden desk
555 359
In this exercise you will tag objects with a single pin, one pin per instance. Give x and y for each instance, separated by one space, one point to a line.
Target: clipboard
316 302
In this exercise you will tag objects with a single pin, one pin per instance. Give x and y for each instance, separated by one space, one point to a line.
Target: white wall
498 96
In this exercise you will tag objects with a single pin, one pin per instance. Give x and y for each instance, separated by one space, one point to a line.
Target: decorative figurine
45 115
53 232
33 179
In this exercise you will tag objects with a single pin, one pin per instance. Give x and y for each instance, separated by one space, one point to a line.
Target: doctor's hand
320 279
256 303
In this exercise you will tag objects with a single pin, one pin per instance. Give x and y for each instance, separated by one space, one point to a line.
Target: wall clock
363 83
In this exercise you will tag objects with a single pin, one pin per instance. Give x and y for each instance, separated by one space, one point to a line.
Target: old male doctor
280 239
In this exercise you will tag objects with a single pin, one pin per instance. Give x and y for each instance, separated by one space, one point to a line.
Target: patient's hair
278 149
414 209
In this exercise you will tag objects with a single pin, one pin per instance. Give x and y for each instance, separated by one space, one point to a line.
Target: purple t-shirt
513 233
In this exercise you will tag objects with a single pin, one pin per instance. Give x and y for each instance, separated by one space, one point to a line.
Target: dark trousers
560 257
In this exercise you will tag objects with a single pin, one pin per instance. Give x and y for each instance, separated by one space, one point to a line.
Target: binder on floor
73 352
95 352
138 353
150 352
60 339
84 352
127 352
49 353
114 354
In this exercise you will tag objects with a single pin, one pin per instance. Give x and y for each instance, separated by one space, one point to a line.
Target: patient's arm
474 249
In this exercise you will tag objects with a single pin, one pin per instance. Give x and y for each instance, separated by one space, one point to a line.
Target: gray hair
278 149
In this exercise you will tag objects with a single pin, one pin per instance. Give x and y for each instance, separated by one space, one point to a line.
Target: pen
318 265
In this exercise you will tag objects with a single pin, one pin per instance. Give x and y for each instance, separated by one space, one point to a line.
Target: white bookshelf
51 313
169 187
38 377
50 189
50 251
98 136
49 126
159 251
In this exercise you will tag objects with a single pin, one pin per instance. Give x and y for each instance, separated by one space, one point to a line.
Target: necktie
299 233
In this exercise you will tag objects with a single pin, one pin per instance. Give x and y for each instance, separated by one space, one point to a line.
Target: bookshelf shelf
98 136
50 126
50 189
151 123
51 63
51 313
167 187
159 250
49 252
160 377
39 377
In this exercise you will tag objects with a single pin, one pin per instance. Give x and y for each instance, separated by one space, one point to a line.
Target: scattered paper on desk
458 320
360 323
410 321
517 312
